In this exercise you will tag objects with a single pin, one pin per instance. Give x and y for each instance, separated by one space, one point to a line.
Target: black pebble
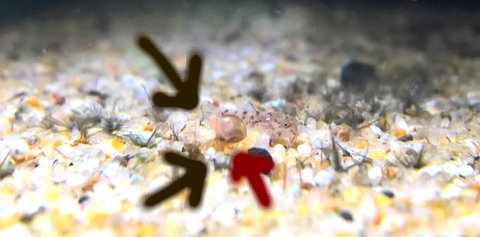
356 75
128 157
82 199
405 138
261 152
388 193
26 218
347 215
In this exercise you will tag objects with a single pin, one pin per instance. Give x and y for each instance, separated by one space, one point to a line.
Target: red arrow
250 167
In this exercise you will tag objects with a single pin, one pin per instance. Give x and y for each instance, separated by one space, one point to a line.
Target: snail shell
228 128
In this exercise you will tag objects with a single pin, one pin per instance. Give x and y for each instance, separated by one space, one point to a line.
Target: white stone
466 171
320 144
376 130
307 176
450 169
135 84
395 147
75 180
210 153
392 222
375 174
323 178
473 98
16 144
451 191
431 170
304 149
279 148
110 168
16 230
416 146
311 123
277 158
224 214
194 225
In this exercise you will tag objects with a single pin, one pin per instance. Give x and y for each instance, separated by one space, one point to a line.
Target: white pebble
320 144
431 170
279 148
376 130
195 225
375 174
277 158
16 144
16 230
323 178
224 214
75 180
466 171
110 168
416 146
307 176
451 191
135 83
103 189
210 153
400 122
450 169
473 98
311 123
304 149
445 123
395 147
391 222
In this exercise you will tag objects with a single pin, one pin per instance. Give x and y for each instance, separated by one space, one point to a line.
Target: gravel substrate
371 118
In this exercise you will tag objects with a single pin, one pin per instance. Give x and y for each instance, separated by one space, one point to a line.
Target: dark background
12 10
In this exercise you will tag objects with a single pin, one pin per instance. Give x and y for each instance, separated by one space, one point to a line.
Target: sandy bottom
385 107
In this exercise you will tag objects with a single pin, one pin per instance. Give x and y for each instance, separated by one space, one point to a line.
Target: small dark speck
291 58
405 138
347 215
26 218
128 157
97 94
82 199
388 193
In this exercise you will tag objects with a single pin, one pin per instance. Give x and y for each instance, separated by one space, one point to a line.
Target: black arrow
187 95
194 179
